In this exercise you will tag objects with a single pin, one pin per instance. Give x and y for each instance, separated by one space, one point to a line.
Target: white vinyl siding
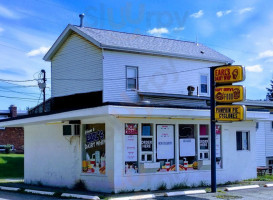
269 138
260 144
155 74
76 68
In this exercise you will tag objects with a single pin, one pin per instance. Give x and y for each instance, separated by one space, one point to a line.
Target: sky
239 29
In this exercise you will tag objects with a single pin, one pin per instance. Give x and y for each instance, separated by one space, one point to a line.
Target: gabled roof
130 42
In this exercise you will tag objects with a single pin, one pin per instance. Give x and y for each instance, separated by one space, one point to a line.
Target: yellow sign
229 74
230 113
229 93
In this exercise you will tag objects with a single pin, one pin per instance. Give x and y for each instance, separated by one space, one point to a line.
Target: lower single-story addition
114 148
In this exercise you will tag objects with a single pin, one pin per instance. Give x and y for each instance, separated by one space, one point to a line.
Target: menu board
187 147
165 141
130 148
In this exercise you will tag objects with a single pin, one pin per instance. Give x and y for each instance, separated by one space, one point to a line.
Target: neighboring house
264 133
121 116
12 135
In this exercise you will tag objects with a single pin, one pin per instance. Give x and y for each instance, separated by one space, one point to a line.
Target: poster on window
165 141
130 148
94 149
146 144
204 143
218 140
187 147
131 129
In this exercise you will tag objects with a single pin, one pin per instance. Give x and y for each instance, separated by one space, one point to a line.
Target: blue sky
240 29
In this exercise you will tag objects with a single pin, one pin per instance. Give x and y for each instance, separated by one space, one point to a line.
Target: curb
39 192
145 196
80 196
268 185
242 187
9 188
169 194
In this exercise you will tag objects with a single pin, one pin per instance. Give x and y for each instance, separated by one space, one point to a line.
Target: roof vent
81 18
190 89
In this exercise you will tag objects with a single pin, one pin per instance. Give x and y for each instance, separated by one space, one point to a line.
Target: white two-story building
123 117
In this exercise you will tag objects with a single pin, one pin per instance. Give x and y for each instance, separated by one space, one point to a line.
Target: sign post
212 131
224 95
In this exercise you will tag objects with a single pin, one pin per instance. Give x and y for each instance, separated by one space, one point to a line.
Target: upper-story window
131 78
204 83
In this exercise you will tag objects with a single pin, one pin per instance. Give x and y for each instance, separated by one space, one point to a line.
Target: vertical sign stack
223 93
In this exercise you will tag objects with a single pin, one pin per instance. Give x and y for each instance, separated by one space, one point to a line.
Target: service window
165 154
146 143
187 147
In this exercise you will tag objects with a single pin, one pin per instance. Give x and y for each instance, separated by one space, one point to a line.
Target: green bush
7 148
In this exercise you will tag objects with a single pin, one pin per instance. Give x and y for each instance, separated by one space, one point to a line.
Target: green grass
11 166
262 178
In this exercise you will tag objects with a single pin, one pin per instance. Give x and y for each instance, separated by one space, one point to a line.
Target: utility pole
42 86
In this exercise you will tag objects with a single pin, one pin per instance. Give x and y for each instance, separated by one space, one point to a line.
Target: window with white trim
204 84
131 78
242 140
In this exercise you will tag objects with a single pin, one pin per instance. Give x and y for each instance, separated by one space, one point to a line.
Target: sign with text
229 74
229 93
187 147
146 144
230 113
130 148
131 129
165 141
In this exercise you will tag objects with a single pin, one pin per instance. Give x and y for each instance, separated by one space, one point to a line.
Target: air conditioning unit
72 129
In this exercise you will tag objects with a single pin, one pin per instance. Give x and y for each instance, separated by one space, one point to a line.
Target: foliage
11 165
80 185
180 186
162 186
266 177
7 148
270 91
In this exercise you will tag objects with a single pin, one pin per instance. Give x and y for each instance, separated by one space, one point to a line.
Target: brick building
12 135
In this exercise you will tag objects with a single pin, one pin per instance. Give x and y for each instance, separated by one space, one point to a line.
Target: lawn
11 166
262 178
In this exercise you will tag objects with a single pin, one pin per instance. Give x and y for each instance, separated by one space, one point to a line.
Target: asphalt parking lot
261 193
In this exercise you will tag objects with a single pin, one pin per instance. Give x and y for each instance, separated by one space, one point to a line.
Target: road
251 194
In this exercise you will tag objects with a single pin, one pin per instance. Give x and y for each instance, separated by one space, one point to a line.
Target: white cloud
158 31
179 28
254 68
4 12
245 10
199 14
221 13
36 52
266 54
1 29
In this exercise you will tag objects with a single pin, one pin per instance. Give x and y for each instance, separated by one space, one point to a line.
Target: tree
269 95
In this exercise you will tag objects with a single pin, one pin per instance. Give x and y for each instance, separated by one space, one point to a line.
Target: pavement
236 191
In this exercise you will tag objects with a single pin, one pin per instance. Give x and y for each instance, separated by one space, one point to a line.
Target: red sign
131 129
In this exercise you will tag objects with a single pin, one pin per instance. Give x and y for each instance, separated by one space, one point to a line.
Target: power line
21 98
